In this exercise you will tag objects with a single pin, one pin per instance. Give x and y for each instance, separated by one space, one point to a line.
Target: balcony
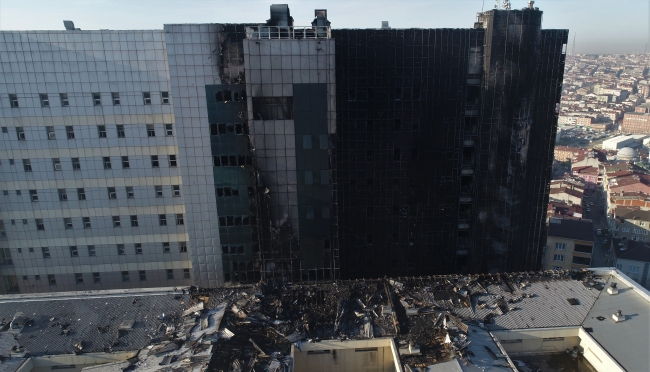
288 32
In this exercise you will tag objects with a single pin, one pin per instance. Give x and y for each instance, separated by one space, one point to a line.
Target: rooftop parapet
288 32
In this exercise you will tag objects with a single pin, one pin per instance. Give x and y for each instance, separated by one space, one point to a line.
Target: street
600 254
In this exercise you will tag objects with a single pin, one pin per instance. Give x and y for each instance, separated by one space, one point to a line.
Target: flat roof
627 342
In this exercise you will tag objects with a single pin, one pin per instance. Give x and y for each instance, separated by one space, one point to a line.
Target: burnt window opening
227 96
370 239
416 124
326 244
273 108
232 161
473 94
398 124
251 191
239 129
213 129
414 154
471 125
416 93
218 97
398 94
221 128
397 155
466 182
352 95
468 155
370 212
230 128
369 155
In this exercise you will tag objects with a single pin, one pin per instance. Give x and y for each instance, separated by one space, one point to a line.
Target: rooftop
443 323
571 229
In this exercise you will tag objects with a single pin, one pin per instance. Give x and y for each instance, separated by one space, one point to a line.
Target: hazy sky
600 26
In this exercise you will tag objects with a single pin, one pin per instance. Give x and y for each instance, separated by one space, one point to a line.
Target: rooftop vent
127 325
69 25
573 301
280 16
384 25
531 5
618 316
612 290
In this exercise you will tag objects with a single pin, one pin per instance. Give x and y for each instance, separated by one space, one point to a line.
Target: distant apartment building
587 173
636 123
630 199
633 259
565 153
569 244
583 121
567 195
630 223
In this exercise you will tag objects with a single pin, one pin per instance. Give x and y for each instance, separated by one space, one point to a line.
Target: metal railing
288 32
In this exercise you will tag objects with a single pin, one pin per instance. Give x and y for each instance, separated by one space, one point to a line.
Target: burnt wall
401 118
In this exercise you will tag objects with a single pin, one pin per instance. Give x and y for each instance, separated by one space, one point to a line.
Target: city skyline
602 27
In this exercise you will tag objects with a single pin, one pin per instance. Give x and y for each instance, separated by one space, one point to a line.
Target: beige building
569 244
565 153
636 123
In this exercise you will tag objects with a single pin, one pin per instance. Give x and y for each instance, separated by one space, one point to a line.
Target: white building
619 142
92 193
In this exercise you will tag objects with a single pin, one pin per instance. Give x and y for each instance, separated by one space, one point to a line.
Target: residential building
569 244
565 153
571 196
633 258
636 122
630 223
278 157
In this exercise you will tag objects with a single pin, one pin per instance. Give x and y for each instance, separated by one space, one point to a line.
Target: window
560 246
138 248
159 192
120 250
151 132
168 130
558 257
63 195
46 252
125 162
162 219
116 221
146 98
97 99
45 101
33 195
64 99
116 98
5 192
120 131
91 251
166 247
76 164
143 275
20 133
306 142
107 162
309 178
180 220
322 141
619 266
69 130
101 131
50 133
176 190
633 269
67 222
86 221
39 224
74 252
583 248
267 108
11 161
79 278
13 100
125 276
186 273
324 177
625 229
96 278
182 247
636 231
56 163
31 250
51 279
81 194
134 221
5 130
129 192
309 212
641 223
172 160
164 97
111 193
170 274
154 161
586 261
27 165
325 212
5 256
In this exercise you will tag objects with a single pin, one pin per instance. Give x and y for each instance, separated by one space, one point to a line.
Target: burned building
445 140
289 153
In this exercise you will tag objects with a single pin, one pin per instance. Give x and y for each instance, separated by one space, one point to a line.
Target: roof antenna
506 4
496 4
